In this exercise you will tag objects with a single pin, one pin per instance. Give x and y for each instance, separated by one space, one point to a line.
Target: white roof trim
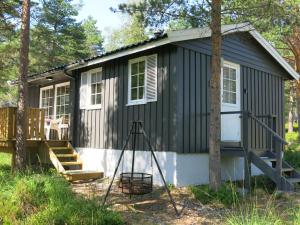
274 53
195 33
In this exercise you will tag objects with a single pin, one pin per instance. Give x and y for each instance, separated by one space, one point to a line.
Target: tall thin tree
215 110
20 154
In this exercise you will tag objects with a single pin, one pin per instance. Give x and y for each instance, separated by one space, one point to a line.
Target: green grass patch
226 195
45 198
262 209
252 214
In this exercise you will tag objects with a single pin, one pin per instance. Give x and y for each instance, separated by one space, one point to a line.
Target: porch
34 132
268 157
41 149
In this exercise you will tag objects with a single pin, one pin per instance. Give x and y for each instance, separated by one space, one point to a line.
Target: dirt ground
154 208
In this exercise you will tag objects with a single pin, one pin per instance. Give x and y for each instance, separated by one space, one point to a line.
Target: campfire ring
136 183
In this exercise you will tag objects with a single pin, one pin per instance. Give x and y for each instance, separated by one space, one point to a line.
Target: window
142 80
96 88
91 89
62 100
229 85
46 101
137 80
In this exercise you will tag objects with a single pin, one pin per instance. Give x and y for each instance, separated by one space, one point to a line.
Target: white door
230 101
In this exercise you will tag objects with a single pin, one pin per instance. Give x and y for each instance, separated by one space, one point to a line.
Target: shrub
292 155
291 137
226 195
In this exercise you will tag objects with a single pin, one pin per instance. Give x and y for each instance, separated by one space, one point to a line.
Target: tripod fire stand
131 184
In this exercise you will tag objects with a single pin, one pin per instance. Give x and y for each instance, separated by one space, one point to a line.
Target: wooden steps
267 161
294 180
67 162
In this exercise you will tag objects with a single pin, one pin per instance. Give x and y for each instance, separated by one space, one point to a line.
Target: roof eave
269 48
183 35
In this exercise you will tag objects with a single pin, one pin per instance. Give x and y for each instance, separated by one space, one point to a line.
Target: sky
99 10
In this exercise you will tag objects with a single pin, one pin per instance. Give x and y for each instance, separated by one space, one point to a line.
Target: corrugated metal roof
62 67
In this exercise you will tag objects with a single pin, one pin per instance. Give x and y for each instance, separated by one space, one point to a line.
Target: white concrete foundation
178 169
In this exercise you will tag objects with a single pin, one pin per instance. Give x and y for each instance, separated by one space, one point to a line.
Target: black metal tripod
137 128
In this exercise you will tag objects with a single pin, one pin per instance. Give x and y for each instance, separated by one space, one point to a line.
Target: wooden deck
59 153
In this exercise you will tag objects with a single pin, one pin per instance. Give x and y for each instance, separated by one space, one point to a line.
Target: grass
262 208
45 198
251 214
227 195
258 208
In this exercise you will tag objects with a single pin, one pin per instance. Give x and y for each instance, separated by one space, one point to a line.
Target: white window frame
41 94
139 101
238 75
55 95
88 73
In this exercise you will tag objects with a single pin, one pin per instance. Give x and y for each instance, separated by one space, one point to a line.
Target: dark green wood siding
262 86
108 127
262 94
178 120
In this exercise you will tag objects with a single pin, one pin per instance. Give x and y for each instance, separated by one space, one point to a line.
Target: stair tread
287 169
65 155
294 180
60 148
70 163
70 172
270 159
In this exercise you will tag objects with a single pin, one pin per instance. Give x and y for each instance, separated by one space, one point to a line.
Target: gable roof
168 38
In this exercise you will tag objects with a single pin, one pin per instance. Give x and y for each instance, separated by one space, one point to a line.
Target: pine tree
94 39
20 151
130 32
57 38
215 93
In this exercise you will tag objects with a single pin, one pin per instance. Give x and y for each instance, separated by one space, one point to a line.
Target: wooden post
278 164
247 159
42 124
9 126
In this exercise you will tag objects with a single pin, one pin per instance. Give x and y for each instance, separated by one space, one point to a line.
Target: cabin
164 82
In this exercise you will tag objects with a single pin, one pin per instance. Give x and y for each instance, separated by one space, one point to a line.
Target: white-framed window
46 101
142 80
62 100
230 72
137 80
91 89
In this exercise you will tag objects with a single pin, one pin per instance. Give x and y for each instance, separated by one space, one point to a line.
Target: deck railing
35 123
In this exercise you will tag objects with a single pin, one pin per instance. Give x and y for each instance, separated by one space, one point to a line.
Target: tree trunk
297 90
291 108
215 116
298 113
20 154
